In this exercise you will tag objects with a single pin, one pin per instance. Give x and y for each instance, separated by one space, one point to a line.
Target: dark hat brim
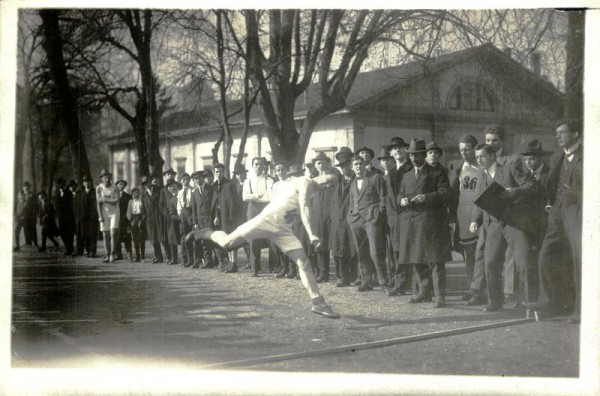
370 151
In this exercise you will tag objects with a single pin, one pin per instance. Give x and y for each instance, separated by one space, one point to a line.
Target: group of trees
131 60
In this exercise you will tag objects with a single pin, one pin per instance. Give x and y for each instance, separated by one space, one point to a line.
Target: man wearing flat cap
163 202
425 236
86 218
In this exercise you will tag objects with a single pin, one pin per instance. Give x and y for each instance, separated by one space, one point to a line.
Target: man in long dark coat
225 211
402 273
184 209
86 218
163 204
425 236
340 242
124 226
63 199
201 217
150 202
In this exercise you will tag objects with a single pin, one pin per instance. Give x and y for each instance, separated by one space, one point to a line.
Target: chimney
508 51
536 62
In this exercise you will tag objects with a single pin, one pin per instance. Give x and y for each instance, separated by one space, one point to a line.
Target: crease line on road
366 345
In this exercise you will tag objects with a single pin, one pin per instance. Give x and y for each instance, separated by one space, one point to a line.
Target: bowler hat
169 171
295 170
534 147
105 172
385 153
397 142
185 175
121 181
321 156
197 174
365 148
417 146
239 169
434 146
26 184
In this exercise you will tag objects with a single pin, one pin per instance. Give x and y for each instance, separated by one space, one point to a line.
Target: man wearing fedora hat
425 236
150 193
63 203
402 273
388 164
86 218
124 225
163 204
367 155
340 242
107 198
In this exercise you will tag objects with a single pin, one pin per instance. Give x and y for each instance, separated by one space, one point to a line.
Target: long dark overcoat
393 181
201 206
225 194
151 213
424 232
340 241
173 222
86 213
124 235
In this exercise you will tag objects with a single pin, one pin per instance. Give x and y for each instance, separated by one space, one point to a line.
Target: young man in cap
565 194
184 210
367 155
342 246
365 216
464 178
87 218
320 205
256 192
150 193
124 225
163 202
63 202
513 228
107 198
201 216
270 224
425 236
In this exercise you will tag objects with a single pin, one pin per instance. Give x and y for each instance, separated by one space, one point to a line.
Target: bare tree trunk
53 47
575 65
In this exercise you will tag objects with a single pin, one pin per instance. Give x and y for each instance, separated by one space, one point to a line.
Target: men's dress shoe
196 265
467 296
357 282
232 269
188 264
174 262
325 310
475 300
280 274
206 266
440 301
247 266
364 288
419 298
342 284
397 291
575 319
105 260
291 275
492 308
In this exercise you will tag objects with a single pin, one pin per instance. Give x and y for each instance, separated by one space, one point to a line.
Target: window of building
180 166
472 96
120 171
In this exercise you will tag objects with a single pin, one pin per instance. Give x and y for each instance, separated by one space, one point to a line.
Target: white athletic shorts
110 215
277 232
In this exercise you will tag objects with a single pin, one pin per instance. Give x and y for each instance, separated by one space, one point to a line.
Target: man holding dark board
503 210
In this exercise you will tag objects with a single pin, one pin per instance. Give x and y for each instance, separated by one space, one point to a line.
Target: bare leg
114 238
227 241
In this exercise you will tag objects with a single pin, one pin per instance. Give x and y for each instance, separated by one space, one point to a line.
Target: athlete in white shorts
107 197
270 224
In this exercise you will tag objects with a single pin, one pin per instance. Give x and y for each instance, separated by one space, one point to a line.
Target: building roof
368 86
